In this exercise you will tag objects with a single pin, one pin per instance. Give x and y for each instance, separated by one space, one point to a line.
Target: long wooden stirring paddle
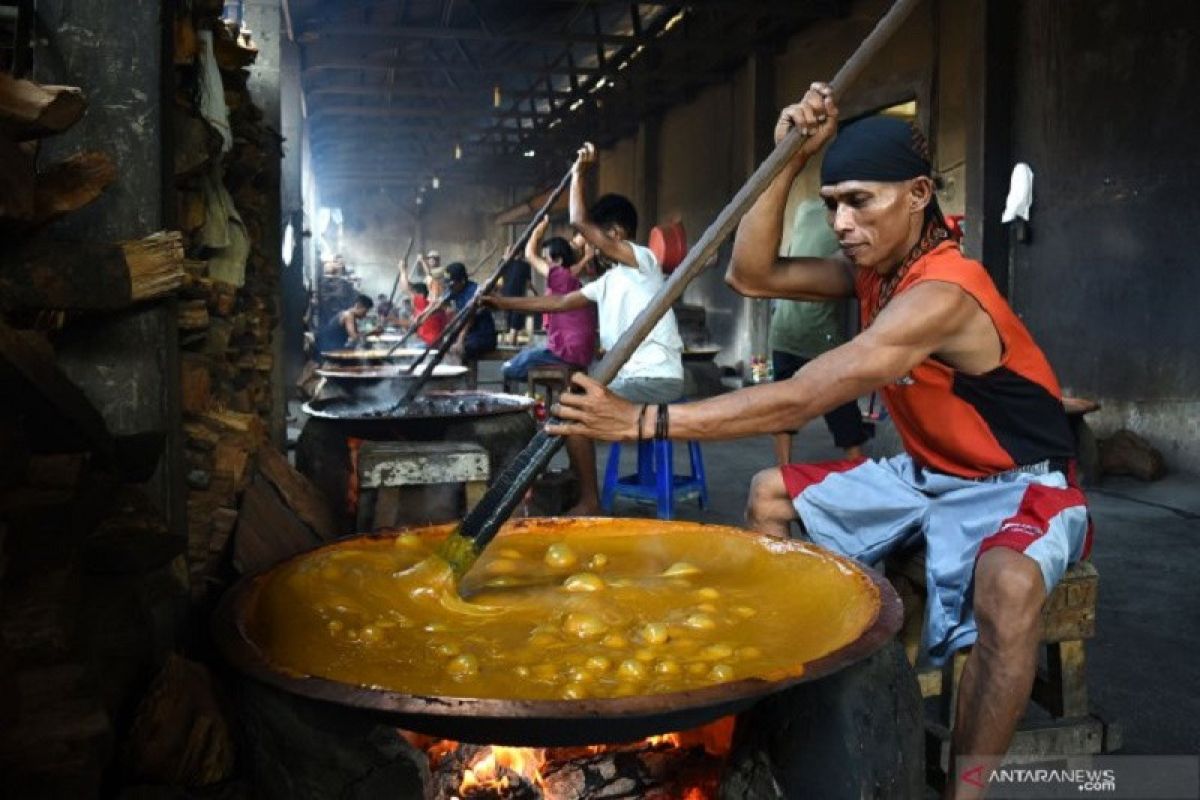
483 522
464 317
432 309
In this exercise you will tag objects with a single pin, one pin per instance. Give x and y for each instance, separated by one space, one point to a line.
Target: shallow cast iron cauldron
374 356
501 423
545 723
387 381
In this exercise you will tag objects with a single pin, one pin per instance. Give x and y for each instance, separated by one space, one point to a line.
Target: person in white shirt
654 373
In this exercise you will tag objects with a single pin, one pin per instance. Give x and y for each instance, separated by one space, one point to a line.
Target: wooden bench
393 478
1062 723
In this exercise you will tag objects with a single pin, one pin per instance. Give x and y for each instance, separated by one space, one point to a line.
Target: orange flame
491 767
486 770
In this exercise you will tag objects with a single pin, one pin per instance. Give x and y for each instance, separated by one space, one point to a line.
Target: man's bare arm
533 249
546 304
597 237
756 268
916 324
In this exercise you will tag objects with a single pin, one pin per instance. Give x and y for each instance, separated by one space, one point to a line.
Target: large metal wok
545 723
373 356
388 381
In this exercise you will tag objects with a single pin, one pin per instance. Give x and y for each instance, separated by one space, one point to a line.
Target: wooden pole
483 522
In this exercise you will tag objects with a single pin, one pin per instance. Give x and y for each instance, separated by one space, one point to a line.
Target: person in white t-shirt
654 373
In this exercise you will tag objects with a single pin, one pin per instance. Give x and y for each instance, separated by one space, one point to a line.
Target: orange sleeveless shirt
973 426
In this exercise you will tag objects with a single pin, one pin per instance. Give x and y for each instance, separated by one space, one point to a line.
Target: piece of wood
197 145
88 276
181 735
155 264
298 492
231 458
483 522
71 184
193 315
18 177
267 530
185 40
29 110
62 742
196 383
30 376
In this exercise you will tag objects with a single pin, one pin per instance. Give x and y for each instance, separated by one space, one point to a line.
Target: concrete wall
1107 280
128 363
706 146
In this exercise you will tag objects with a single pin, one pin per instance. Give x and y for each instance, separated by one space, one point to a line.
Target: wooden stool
1060 688
391 473
551 377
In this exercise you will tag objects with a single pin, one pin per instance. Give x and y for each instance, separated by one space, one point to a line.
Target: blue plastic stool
655 479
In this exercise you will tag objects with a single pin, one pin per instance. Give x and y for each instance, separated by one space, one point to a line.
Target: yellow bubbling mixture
585 610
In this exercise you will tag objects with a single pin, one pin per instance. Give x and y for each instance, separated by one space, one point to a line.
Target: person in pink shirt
570 335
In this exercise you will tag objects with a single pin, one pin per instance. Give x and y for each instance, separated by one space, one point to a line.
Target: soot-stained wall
1106 114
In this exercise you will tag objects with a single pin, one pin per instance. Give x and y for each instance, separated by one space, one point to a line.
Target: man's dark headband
882 149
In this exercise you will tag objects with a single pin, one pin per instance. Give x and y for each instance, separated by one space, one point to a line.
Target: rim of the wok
240 650
387 372
377 354
514 403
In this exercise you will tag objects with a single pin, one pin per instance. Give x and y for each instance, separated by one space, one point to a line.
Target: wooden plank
1062 688
300 494
71 184
267 531
420 463
30 111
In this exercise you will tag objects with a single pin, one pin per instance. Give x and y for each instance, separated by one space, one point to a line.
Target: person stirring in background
570 335
654 372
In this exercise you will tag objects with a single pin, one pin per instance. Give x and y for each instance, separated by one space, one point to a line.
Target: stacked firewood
226 169
39 273
91 582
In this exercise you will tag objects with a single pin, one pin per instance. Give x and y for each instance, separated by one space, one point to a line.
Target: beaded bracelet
662 424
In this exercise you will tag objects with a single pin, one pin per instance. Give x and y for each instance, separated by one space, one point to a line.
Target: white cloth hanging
1020 194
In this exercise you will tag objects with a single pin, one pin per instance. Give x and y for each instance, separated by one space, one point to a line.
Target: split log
63 739
132 539
18 177
233 51
193 315
196 144
267 530
91 276
71 184
231 458
30 377
185 40
180 735
30 111
192 212
197 384
300 494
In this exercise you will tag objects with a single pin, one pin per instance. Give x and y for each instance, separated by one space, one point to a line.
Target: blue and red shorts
868 509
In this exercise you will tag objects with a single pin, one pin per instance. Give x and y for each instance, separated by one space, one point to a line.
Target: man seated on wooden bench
983 481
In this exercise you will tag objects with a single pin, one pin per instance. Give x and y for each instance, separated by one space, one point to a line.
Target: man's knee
768 498
1009 594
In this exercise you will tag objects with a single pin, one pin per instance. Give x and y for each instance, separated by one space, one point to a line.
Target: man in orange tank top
983 482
